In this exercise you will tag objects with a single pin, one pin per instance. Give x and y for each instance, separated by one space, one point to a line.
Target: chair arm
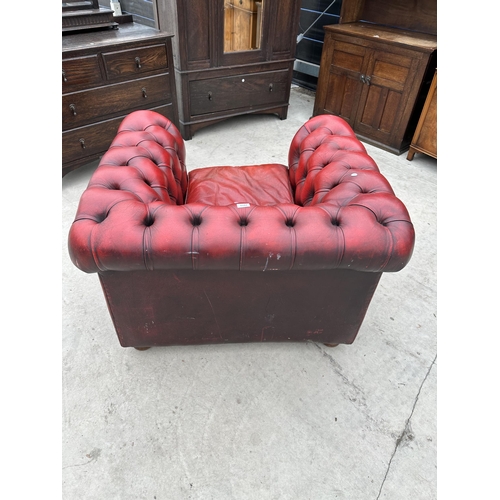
115 231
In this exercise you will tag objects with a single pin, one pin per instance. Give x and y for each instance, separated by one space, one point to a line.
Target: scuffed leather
343 213
261 185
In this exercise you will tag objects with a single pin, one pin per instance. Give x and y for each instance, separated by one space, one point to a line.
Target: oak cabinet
231 57
425 137
375 77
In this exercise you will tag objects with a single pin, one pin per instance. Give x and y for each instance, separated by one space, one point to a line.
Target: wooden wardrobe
231 57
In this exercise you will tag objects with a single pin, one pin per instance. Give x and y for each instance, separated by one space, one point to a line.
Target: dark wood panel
81 72
135 61
414 15
417 15
209 96
287 14
79 108
197 35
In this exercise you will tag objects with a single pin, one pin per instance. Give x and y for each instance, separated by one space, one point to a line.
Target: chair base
185 307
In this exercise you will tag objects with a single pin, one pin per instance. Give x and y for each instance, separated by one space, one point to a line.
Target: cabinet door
384 95
341 85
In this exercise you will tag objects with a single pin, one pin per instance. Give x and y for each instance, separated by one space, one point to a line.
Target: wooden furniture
231 57
425 137
376 68
80 15
105 75
253 253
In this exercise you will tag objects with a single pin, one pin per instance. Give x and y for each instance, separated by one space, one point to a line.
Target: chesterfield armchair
254 253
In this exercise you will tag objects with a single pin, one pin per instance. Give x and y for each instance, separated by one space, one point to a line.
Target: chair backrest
323 154
151 155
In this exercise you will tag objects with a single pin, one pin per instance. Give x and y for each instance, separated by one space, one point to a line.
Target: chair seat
261 185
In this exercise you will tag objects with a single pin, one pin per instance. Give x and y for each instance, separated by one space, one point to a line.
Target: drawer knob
210 96
82 143
72 108
64 76
138 62
271 86
144 94
365 79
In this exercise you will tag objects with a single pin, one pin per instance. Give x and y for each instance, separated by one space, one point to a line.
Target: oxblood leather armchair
238 254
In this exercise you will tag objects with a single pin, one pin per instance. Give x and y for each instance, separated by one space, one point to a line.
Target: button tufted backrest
151 153
325 160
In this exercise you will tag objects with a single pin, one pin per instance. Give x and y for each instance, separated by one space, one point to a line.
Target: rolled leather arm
114 231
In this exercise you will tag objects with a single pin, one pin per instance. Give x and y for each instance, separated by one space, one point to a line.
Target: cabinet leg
283 113
142 348
411 154
331 345
185 131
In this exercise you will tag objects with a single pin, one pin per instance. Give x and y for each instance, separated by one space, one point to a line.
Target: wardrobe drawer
81 108
80 72
135 61
221 94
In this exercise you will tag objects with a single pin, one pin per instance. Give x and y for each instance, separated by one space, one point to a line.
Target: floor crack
93 455
407 429
337 367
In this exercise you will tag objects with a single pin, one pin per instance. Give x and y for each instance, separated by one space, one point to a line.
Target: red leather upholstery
261 185
329 224
132 216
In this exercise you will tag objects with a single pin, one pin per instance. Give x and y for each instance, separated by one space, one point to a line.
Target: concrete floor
258 421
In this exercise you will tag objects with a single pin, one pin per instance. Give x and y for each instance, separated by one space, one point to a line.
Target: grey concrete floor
258 421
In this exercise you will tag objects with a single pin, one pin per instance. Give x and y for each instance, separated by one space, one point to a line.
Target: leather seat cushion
261 185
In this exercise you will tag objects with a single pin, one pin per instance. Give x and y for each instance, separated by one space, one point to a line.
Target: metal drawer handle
72 108
271 87
365 79
144 92
82 143
64 76
210 96
138 62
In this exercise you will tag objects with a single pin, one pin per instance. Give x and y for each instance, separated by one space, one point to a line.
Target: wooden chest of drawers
105 76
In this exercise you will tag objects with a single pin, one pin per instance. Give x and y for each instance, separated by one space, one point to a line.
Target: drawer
81 108
92 141
89 141
242 91
81 72
136 61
